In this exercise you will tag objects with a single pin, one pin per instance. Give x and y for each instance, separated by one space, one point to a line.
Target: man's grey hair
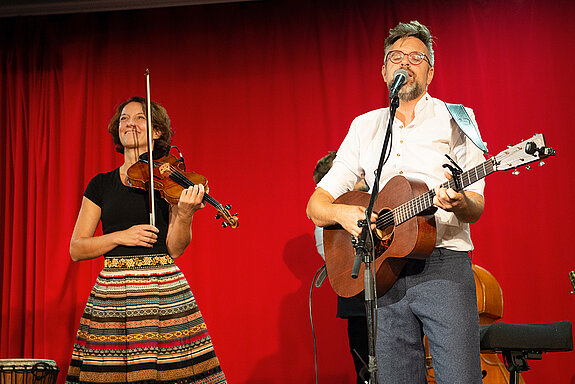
411 29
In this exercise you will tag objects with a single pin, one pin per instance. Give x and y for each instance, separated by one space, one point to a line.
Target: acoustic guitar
405 227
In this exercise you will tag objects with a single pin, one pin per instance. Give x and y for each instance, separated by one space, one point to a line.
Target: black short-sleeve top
123 206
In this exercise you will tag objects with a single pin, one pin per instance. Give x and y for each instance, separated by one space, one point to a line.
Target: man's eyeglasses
414 57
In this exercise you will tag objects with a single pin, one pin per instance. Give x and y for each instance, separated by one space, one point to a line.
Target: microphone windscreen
401 72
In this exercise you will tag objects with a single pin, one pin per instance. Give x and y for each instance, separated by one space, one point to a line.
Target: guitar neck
424 201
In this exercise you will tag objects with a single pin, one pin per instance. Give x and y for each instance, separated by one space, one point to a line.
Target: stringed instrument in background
405 226
490 309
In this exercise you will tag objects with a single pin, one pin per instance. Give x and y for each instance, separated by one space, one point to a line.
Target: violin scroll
230 220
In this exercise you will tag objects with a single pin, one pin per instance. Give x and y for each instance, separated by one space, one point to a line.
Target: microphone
400 77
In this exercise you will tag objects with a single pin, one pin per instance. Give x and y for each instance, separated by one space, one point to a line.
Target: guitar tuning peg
541 163
515 172
225 224
228 206
528 167
530 148
235 214
218 216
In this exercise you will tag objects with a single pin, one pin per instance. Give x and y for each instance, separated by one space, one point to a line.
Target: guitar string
424 201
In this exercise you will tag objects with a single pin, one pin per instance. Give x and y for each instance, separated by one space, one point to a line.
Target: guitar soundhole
384 232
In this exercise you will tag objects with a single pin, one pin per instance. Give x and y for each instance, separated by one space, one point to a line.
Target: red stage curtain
258 92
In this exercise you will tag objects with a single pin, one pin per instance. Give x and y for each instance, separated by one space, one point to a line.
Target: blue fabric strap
466 124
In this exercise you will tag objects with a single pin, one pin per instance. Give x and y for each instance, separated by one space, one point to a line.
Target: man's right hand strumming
323 212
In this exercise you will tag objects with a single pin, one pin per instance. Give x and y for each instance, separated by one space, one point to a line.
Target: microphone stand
364 252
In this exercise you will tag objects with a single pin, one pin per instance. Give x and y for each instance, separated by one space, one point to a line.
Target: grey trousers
435 297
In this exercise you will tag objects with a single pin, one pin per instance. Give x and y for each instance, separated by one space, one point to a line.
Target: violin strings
181 179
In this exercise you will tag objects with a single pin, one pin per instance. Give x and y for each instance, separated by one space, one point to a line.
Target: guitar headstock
229 219
528 151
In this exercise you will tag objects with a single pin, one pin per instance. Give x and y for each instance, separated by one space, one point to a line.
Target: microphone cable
317 281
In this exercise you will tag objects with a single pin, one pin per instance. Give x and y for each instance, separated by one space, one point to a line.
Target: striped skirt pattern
141 325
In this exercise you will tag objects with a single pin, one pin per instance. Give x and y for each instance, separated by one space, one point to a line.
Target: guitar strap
466 124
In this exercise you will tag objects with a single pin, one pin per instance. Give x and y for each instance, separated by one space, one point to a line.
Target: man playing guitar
432 295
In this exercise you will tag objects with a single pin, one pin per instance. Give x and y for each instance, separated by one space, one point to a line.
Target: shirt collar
421 107
422 103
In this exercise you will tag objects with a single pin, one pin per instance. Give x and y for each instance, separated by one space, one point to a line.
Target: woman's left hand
191 200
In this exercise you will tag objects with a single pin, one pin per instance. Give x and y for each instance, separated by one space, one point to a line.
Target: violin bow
152 205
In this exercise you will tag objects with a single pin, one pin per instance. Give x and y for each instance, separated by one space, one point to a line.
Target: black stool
519 342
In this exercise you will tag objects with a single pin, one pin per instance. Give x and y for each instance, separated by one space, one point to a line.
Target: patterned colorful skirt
141 325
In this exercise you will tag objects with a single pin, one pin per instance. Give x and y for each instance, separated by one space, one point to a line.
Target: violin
170 179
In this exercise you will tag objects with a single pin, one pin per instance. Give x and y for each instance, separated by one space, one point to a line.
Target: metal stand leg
516 362
371 306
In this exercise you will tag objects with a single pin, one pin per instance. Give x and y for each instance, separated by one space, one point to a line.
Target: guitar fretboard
424 201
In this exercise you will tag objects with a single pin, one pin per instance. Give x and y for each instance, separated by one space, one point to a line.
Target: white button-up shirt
417 151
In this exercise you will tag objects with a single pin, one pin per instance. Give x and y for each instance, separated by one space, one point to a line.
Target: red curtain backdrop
258 92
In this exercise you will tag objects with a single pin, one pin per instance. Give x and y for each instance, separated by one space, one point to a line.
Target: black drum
28 371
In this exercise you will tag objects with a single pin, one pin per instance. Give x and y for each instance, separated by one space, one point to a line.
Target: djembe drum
28 371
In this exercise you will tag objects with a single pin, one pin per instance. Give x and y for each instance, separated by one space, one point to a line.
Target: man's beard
411 92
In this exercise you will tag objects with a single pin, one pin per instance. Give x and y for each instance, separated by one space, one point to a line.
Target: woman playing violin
141 322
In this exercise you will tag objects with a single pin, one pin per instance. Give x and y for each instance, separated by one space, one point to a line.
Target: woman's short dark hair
323 166
160 123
